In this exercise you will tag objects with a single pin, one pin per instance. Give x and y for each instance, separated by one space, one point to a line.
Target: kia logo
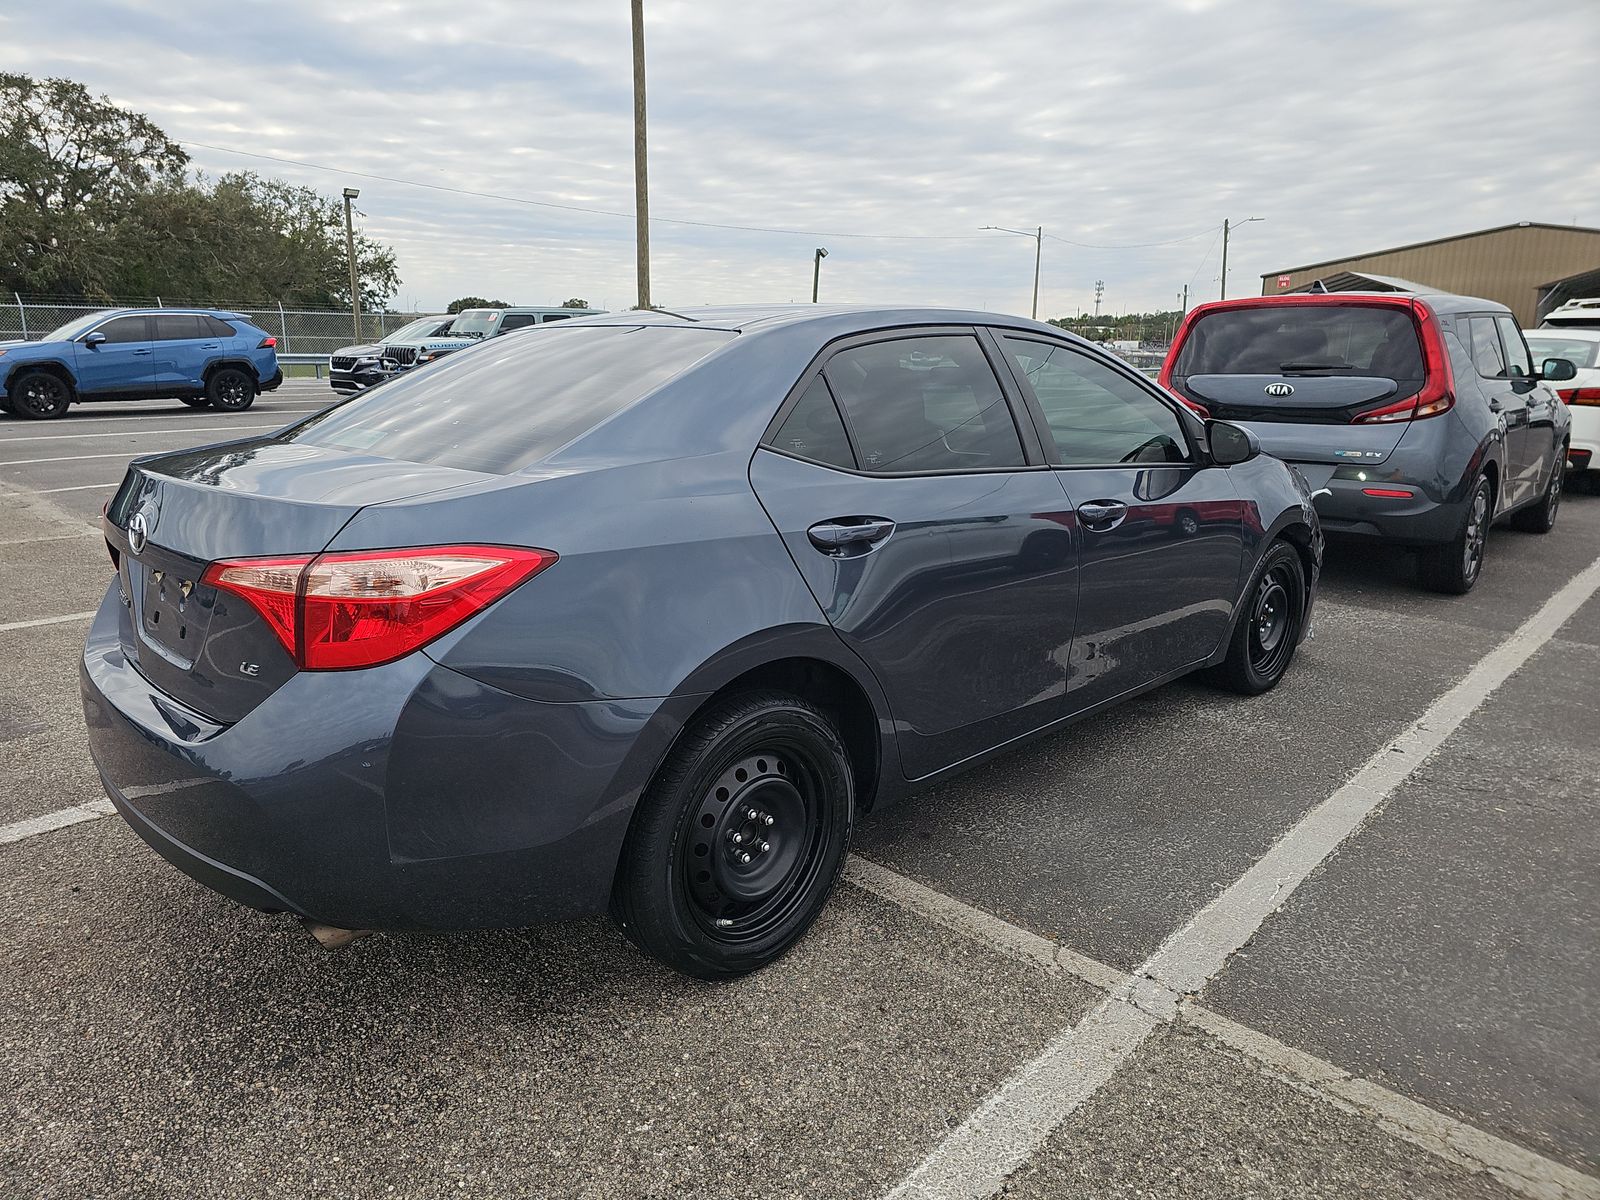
138 533
1279 389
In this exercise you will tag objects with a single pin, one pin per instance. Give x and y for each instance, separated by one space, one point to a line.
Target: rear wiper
1316 366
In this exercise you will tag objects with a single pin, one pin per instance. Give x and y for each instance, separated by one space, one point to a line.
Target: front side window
127 329
1097 415
925 404
1516 352
1487 357
814 430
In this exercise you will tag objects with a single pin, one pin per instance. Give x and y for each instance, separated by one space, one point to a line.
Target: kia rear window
1342 339
513 401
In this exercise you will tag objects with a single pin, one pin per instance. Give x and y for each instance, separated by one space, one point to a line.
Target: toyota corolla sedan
641 613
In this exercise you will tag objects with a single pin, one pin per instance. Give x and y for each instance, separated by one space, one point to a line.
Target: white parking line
60 819
976 1158
1529 1174
50 537
28 462
82 487
128 433
38 621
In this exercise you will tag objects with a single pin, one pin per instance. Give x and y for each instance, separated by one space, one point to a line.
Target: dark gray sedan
642 612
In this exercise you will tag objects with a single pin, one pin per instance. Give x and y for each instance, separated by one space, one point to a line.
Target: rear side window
127 329
1339 339
814 430
1516 353
177 327
1488 359
925 404
216 327
510 403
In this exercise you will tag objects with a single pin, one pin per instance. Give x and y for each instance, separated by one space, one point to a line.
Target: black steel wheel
1541 517
230 389
1454 567
1267 630
39 395
739 839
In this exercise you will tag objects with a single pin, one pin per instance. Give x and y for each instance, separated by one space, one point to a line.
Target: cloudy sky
1128 130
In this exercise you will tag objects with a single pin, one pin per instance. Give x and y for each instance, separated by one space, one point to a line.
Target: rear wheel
739 839
1455 566
39 395
1268 631
230 389
1541 517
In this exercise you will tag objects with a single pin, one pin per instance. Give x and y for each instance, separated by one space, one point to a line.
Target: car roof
742 318
169 310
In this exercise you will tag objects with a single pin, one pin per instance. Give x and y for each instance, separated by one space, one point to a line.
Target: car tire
200 401
1268 630
1456 566
39 395
1541 517
705 887
230 389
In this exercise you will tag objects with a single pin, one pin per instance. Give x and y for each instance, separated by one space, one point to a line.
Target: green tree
467 302
574 304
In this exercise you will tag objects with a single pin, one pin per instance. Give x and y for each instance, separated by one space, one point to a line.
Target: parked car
1580 347
355 368
1416 419
676 599
484 323
1574 314
203 357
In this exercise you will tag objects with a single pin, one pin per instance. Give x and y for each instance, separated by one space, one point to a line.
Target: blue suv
202 357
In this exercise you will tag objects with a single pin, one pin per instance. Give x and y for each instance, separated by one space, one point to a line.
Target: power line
1206 257
1188 237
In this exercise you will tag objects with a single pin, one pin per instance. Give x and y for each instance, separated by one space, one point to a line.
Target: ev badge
138 533
1279 389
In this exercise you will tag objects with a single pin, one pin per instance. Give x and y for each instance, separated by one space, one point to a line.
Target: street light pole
1038 253
1246 221
816 271
350 251
641 186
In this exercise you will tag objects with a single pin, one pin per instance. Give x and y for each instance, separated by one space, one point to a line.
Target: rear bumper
407 796
271 385
356 381
1346 510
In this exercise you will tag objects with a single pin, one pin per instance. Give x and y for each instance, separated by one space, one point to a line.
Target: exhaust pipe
331 937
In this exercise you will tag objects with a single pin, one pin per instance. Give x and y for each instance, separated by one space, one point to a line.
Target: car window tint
516 321
925 404
215 327
126 329
511 402
1580 352
1339 339
176 327
548 317
814 430
1097 415
1516 353
1487 357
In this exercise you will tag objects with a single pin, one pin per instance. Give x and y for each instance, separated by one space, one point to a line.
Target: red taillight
268 343
1581 396
1438 392
1389 493
333 612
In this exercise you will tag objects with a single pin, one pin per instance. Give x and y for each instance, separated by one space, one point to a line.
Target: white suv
1581 347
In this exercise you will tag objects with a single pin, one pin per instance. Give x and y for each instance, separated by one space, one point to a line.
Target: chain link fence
298 330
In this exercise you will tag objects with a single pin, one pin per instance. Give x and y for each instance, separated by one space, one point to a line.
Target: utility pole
641 186
1246 221
1184 311
1099 289
350 250
816 271
1038 253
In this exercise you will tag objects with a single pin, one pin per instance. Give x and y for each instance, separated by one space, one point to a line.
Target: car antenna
680 316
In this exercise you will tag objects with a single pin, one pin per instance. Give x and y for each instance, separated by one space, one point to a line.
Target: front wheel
230 389
1541 517
1455 566
39 395
1268 630
739 839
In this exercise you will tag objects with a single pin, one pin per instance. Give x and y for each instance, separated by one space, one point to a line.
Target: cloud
1348 126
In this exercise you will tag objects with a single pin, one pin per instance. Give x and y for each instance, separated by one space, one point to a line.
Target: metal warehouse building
1529 267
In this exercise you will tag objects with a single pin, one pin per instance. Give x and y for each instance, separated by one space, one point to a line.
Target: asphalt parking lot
1085 969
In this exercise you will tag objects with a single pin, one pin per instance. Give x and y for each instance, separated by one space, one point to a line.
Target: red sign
1283 281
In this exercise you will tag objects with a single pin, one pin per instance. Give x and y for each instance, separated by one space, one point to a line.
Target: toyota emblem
138 533
1279 389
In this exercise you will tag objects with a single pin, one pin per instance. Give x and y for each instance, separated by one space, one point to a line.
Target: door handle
1494 405
211 346
836 535
1101 515
144 351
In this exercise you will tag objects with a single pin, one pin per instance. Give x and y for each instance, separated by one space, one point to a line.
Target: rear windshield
1344 339
512 401
1580 352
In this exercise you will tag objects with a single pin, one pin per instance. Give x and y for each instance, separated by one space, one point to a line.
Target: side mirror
1231 444
1557 370
95 339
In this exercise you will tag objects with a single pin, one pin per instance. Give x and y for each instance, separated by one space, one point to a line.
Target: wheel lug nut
765 846
754 815
737 838
745 857
769 819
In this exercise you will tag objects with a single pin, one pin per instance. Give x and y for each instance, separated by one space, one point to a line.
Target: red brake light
337 611
1438 392
1389 493
268 343
1583 396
